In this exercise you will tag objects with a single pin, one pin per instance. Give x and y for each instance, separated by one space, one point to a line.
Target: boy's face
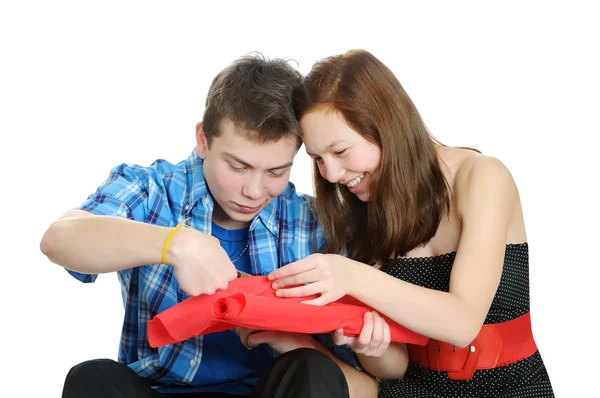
243 176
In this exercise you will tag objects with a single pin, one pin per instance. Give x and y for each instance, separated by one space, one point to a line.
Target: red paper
251 302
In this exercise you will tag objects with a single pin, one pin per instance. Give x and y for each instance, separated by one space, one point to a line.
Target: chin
237 217
243 217
363 197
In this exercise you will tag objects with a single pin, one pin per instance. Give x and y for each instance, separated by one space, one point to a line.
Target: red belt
496 345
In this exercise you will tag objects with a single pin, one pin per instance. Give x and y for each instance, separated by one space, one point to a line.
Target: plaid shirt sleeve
124 194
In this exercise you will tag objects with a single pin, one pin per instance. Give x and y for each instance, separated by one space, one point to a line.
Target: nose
253 186
331 170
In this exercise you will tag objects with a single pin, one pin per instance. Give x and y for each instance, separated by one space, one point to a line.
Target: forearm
87 243
439 315
391 365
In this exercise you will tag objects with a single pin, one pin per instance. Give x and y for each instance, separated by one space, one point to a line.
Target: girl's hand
373 340
329 275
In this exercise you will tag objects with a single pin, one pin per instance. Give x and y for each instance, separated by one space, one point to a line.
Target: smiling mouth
353 183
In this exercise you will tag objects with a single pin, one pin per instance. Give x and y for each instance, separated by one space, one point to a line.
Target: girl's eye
340 152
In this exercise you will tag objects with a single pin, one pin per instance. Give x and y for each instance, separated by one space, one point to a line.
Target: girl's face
342 154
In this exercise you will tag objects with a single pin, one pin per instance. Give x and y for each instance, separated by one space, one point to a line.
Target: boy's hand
280 342
201 265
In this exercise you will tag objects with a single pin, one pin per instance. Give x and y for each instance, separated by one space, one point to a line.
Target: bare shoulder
482 187
478 168
482 176
466 168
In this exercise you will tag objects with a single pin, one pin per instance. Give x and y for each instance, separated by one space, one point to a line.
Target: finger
232 274
222 285
340 339
377 336
293 268
320 301
385 343
387 335
243 334
241 330
258 338
302 291
229 272
297 279
366 332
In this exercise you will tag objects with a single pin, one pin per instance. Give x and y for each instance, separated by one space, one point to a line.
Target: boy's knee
310 364
91 367
303 373
88 373
308 358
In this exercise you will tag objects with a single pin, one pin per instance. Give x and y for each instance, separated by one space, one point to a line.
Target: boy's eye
239 169
276 175
340 152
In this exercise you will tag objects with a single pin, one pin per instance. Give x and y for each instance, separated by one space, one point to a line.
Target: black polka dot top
526 378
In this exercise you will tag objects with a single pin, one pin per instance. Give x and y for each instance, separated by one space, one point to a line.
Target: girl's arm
486 200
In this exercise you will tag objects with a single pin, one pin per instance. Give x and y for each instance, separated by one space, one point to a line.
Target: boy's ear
201 141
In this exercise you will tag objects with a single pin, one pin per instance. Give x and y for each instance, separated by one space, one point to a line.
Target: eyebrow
334 143
232 156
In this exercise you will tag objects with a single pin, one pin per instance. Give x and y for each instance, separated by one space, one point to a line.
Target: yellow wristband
169 237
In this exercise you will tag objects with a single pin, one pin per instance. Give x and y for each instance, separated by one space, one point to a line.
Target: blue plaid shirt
166 194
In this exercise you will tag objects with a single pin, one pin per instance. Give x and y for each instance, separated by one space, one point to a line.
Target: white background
86 87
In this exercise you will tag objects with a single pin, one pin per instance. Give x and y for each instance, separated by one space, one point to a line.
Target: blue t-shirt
217 367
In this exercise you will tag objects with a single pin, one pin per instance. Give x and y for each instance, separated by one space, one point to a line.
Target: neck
224 221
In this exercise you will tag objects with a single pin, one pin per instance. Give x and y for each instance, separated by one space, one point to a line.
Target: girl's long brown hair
409 194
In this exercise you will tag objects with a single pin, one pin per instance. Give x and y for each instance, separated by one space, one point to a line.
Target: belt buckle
468 370
458 363
461 363
489 340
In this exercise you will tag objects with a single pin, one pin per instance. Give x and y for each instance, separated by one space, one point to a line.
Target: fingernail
275 285
271 277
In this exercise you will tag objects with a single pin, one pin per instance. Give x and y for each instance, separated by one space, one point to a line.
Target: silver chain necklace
242 253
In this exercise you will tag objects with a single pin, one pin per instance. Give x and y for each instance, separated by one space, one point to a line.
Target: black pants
301 373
